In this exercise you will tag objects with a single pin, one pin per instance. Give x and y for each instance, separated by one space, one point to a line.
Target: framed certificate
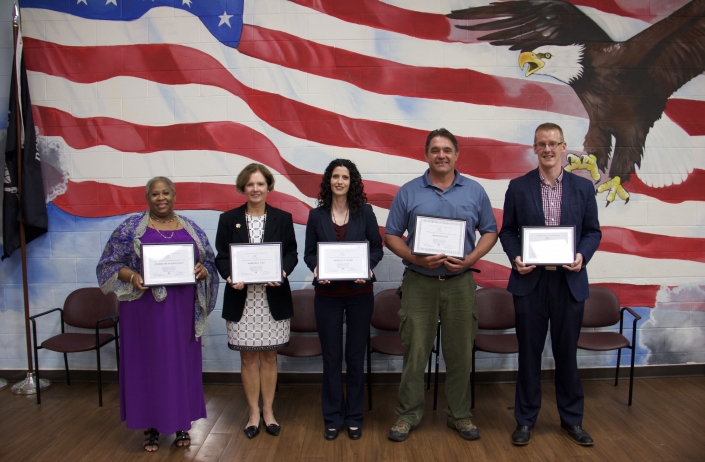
256 263
343 260
548 245
435 235
166 264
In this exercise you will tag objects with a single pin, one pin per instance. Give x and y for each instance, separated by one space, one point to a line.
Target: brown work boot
465 427
400 431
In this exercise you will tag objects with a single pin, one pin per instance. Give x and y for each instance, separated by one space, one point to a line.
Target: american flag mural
124 90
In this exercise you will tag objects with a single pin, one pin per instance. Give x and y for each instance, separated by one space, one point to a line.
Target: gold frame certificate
548 245
436 235
345 261
256 263
168 264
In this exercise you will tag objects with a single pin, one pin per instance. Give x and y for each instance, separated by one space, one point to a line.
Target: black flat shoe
522 435
578 433
330 435
355 434
252 431
273 429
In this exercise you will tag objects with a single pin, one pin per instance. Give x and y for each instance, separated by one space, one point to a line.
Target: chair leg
36 362
472 380
428 375
438 361
631 375
66 367
100 379
619 358
369 375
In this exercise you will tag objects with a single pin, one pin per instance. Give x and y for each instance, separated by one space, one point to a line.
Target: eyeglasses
552 145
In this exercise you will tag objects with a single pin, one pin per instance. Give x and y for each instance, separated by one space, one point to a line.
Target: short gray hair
163 179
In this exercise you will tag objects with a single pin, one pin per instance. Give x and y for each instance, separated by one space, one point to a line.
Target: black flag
30 207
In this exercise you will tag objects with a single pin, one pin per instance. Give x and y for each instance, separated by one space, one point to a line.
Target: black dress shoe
522 435
273 429
578 433
252 431
355 434
330 435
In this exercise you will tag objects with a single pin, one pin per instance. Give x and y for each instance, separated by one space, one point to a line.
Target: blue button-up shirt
464 199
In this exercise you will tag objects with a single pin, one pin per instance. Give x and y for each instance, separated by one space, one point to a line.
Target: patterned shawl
123 249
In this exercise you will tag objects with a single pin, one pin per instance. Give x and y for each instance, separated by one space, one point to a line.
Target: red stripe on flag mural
688 114
229 137
85 65
391 78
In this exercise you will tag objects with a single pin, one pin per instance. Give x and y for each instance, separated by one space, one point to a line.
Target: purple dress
161 383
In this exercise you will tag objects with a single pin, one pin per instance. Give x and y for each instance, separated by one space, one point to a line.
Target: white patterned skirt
257 330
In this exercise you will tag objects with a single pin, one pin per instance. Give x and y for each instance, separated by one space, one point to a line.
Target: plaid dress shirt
551 197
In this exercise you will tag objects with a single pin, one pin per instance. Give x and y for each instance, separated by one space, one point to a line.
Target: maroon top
344 290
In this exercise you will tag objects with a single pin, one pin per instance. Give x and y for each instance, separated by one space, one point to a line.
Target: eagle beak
535 63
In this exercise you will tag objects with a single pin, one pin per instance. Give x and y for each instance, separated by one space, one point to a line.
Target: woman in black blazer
257 315
343 215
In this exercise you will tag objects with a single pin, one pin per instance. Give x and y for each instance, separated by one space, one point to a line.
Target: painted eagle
623 86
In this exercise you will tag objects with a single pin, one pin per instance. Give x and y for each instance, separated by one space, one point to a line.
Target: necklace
162 221
160 233
345 220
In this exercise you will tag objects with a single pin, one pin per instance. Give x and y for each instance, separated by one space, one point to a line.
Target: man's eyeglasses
551 145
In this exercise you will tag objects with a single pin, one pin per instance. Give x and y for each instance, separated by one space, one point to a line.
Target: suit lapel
567 199
271 225
240 225
353 226
535 188
327 224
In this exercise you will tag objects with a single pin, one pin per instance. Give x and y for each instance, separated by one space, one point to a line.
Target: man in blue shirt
439 285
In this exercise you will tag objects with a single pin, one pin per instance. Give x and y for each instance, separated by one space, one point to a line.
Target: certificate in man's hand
168 264
256 263
343 261
548 245
435 235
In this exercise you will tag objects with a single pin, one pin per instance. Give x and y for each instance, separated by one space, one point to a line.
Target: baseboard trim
385 378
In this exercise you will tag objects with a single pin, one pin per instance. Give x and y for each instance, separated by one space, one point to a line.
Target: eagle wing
528 24
674 48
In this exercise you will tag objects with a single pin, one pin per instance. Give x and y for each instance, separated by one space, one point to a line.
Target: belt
440 277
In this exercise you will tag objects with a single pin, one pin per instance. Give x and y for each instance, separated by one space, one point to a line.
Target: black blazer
279 228
362 228
523 207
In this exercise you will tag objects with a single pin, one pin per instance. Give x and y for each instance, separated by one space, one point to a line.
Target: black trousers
551 300
337 408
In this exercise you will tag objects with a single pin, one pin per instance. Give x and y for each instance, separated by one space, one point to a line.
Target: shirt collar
558 179
426 181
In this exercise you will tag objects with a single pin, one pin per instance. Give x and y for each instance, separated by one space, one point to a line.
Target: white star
114 2
85 2
186 2
225 19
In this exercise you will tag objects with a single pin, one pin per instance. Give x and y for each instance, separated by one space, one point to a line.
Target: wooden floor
666 423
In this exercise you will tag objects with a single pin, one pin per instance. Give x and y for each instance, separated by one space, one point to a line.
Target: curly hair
356 194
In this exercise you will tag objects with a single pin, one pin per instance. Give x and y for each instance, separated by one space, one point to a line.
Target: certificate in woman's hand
435 236
168 264
343 261
256 263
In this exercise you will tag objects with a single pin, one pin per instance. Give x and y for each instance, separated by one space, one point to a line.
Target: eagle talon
585 162
614 188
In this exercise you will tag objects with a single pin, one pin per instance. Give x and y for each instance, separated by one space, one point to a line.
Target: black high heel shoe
271 429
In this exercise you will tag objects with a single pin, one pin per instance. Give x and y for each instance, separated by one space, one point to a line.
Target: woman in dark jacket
343 215
257 315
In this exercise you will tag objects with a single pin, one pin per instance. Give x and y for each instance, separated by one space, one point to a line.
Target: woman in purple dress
161 388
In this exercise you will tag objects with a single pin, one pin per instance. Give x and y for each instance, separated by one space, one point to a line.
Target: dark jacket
362 228
279 228
523 207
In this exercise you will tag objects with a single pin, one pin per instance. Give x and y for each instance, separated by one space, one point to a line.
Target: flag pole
28 386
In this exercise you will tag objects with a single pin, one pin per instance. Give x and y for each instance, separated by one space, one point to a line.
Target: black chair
87 308
495 311
385 317
602 309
